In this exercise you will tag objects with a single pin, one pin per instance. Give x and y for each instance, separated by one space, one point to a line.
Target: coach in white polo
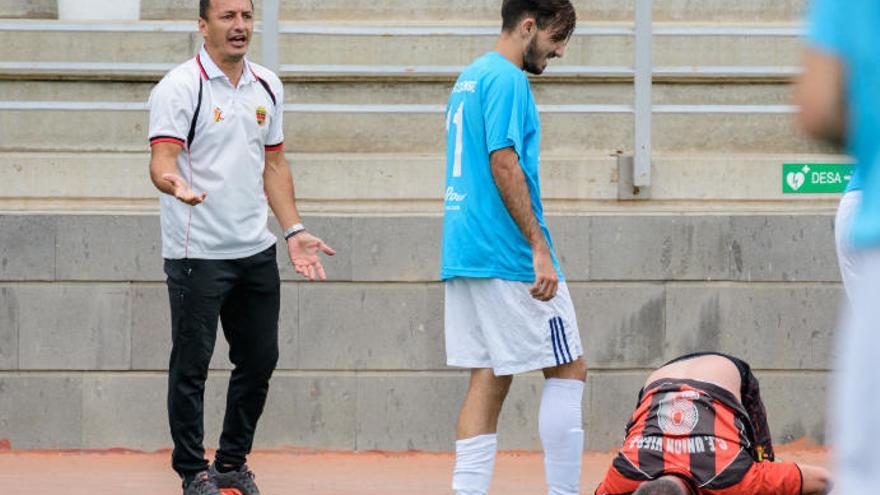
216 128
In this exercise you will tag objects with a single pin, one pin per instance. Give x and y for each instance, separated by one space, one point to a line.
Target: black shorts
750 393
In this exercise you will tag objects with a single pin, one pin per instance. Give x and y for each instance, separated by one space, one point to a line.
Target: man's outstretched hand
182 190
304 249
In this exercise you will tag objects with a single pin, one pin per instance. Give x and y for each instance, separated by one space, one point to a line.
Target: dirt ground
296 472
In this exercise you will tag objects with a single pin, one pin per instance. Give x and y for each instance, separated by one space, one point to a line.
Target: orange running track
292 472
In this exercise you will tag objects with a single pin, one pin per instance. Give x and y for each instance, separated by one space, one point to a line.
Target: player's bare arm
511 183
303 248
820 95
817 480
163 173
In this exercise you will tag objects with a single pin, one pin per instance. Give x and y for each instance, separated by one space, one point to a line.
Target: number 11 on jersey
456 119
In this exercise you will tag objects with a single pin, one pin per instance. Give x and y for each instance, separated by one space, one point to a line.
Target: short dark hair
205 5
558 15
660 486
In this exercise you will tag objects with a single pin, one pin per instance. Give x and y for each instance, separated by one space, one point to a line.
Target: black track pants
245 295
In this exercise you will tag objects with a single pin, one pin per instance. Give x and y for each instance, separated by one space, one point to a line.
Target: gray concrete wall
489 10
29 9
391 49
84 332
392 132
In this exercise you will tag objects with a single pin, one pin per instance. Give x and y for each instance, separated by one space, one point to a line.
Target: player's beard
533 61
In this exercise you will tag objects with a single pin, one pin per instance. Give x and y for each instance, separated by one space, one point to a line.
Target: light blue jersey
850 30
491 108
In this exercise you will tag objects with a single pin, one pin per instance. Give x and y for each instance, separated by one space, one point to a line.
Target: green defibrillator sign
816 178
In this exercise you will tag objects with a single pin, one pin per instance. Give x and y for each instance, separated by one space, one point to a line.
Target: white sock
474 462
562 434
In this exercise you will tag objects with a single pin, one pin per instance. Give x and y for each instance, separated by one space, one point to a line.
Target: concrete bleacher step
415 129
638 247
459 10
129 42
357 90
403 116
378 45
362 364
29 9
24 89
388 411
489 10
356 410
403 182
560 71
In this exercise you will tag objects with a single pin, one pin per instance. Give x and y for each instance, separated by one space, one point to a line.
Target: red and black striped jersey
694 429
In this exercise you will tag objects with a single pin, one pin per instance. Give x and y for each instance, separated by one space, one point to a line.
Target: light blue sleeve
504 103
827 28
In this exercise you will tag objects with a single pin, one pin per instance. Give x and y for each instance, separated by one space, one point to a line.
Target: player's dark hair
205 5
557 15
660 486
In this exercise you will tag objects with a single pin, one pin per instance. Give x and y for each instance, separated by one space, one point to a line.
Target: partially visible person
821 95
700 428
840 103
847 255
216 126
508 309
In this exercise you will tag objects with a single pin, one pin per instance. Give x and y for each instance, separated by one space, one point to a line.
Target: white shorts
494 323
847 256
855 402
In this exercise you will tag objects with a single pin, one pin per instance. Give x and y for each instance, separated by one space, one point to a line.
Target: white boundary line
87 66
347 30
414 70
741 109
79 106
366 69
431 30
291 28
347 108
731 71
330 69
409 109
755 31
89 27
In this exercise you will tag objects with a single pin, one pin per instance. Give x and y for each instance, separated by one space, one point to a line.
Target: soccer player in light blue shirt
828 39
839 95
507 306
491 109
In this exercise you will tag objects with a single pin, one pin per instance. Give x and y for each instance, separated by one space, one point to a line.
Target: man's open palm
304 250
182 190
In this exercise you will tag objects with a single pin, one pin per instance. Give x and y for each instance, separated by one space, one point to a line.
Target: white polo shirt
226 158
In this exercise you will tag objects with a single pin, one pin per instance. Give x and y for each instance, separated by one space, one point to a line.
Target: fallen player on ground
700 428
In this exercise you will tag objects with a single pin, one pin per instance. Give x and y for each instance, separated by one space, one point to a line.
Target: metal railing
643 72
271 33
643 82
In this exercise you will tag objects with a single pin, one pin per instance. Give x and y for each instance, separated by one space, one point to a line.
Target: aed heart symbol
795 180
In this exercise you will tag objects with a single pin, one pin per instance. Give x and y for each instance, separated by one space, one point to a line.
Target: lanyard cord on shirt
192 127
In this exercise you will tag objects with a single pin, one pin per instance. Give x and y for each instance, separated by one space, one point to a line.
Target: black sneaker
202 484
242 479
